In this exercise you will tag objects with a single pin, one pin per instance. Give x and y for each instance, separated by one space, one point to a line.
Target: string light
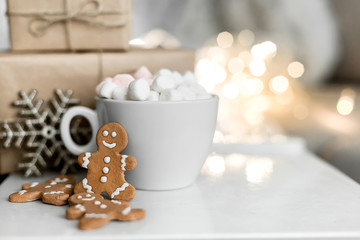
236 65
257 67
252 78
263 50
246 38
230 90
296 69
279 84
345 104
225 40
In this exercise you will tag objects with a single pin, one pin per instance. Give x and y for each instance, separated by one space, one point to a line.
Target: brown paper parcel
69 24
79 72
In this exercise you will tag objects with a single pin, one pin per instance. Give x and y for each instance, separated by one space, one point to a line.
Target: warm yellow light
210 71
225 40
263 50
296 69
345 105
236 65
258 169
246 37
260 103
257 67
279 84
238 78
217 55
254 86
230 90
246 57
214 166
253 117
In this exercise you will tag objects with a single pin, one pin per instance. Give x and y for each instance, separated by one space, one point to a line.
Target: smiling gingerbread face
112 136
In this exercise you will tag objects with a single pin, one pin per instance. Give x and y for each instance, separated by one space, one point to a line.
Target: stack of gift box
71 44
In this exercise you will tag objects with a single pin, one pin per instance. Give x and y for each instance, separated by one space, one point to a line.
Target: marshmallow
98 87
178 79
163 71
170 94
200 92
123 79
106 89
187 92
162 82
143 72
139 89
189 78
119 93
153 96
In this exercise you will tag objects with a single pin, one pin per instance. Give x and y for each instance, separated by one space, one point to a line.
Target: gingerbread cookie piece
106 166
55 191
94 211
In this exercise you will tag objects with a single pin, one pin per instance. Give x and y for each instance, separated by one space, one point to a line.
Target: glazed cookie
55 191
106 166
94 211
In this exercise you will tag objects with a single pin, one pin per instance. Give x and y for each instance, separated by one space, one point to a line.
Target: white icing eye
97 202
113 134
105 133
88 195
79 197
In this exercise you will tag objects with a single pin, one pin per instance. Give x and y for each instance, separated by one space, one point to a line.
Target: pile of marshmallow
165 85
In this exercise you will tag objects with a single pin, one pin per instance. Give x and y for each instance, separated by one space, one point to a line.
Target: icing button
107 159
103 179
105 170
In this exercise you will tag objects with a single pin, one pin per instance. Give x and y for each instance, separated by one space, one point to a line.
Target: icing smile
88 199
109 145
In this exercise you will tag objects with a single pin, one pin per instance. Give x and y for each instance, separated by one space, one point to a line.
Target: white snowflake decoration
39 131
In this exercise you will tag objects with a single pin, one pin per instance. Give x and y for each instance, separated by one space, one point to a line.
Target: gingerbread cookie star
55 191
94 211
106 166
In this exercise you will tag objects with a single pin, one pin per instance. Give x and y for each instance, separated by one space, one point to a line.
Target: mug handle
69 143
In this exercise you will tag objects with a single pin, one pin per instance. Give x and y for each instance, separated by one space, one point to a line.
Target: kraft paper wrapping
80 72
43 25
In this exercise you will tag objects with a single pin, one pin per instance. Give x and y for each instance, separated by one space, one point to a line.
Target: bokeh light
257 67
279 84
264 50
236 65
246 38
296 69
225 40
230 90
345 106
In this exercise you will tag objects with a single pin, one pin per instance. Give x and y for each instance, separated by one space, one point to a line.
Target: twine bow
42 21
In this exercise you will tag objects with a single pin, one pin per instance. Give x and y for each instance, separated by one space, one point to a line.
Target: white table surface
236 197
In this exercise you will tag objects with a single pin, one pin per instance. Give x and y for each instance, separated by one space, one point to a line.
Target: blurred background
282 69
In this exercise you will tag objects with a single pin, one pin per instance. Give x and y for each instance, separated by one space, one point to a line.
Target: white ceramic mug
170 140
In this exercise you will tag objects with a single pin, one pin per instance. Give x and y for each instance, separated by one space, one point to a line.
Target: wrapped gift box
80 72
69 24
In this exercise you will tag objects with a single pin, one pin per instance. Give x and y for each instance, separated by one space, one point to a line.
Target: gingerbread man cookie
94 211
106 166
55 191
